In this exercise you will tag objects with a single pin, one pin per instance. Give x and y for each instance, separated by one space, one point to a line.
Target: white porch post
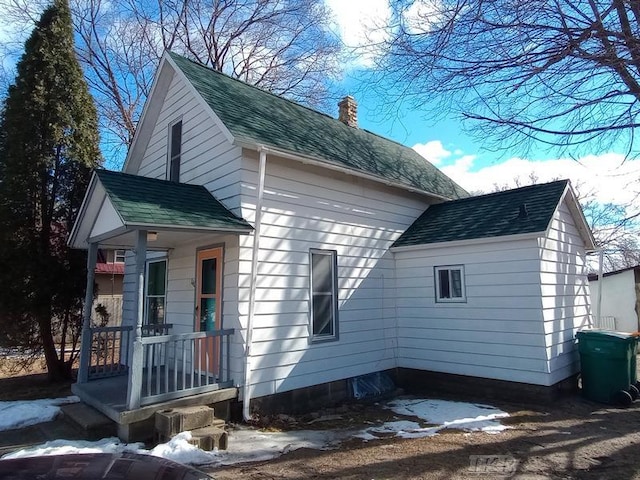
134 389
85 345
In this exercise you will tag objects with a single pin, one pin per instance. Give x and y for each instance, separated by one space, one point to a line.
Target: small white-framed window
174 151
156 292
119 256
450 284
323 267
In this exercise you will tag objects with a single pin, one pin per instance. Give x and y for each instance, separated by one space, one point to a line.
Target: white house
620 299
275 254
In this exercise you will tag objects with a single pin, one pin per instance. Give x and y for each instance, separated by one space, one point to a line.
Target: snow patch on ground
465 416
69 447
245 445
251 445
18 414
180 450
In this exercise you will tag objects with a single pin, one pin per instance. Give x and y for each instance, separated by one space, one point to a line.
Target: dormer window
175 149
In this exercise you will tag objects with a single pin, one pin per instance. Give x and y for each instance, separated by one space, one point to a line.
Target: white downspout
599 309
246 392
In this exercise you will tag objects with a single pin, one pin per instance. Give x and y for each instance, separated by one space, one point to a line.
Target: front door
208 307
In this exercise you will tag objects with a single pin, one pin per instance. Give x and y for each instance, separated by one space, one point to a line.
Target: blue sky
443 141
606 177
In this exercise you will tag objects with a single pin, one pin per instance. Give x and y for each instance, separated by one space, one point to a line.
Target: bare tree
562 72
283 46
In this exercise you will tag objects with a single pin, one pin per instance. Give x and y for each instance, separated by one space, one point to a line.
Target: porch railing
109 355
186 364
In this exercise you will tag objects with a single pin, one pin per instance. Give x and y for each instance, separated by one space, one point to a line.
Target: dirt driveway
572 439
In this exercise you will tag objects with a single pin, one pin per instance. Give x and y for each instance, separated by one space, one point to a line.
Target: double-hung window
449 281
156 292
119 256
324 294
175 150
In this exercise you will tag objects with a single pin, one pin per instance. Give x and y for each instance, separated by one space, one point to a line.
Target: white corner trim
579 219
81 213
143 131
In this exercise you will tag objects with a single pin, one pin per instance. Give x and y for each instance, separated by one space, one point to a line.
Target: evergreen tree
48 146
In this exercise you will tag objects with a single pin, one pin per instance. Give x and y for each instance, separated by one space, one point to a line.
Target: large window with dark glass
324 294
175 151
156 292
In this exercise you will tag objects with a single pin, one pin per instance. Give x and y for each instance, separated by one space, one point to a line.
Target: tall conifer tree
48 146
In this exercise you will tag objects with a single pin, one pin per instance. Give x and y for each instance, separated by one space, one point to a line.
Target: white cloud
607 177
423 15
433 151
361 25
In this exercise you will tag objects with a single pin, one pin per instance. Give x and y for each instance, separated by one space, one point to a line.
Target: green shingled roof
512 212
142 200
255 115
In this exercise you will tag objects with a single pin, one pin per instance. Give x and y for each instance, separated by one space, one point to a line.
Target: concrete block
141 431
173 421
209 438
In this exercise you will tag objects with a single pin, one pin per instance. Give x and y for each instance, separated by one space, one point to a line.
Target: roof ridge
255 87
505 192
257 114
391 140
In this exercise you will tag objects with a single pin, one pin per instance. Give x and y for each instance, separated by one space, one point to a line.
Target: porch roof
117 204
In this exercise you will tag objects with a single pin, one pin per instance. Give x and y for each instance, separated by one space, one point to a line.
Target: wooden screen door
208 307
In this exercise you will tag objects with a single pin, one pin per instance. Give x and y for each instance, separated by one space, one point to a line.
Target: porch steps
207 431
91 422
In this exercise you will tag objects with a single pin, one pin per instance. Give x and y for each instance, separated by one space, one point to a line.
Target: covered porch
132 370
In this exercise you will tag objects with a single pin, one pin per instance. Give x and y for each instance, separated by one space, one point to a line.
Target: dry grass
20 383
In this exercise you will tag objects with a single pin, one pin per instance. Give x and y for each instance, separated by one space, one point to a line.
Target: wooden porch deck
109 396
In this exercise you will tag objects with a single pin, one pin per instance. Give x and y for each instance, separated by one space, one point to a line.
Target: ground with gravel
571 439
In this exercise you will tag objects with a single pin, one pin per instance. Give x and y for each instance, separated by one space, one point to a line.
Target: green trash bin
608 366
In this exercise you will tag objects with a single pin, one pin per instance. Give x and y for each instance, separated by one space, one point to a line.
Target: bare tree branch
284 46
563 72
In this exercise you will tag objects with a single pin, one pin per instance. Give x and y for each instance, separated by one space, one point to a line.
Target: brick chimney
347 112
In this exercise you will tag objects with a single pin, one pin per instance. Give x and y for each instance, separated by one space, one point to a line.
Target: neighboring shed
620 299
495 286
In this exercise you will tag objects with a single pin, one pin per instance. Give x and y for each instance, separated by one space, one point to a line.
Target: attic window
175 150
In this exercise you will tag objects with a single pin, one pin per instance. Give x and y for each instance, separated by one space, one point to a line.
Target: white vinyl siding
180 296
565 293
206 156
306 207
497 333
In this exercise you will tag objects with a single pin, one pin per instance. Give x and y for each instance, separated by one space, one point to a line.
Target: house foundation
414 382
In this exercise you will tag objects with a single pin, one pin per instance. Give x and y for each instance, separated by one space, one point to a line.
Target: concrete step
94 424
209 438
175 420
